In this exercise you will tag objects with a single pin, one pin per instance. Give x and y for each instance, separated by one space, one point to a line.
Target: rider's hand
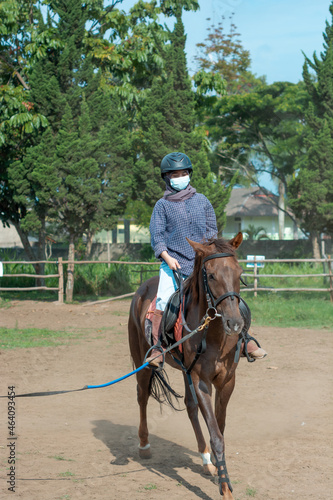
172 263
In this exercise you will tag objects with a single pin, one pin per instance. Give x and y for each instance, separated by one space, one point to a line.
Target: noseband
212 302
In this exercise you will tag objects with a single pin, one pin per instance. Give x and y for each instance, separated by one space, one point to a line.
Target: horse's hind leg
192 411
143 386
143 377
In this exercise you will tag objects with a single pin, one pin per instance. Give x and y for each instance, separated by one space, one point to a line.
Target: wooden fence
255 275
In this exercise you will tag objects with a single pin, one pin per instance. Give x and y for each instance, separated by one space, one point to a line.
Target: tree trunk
281 210
90 236
41 252
70 270
315 244
26 245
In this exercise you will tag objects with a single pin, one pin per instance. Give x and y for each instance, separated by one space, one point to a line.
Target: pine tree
167 123
80 151
312 189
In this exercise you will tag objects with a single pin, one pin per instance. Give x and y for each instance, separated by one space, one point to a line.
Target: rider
181 213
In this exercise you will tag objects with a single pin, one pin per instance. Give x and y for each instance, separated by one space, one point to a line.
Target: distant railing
255 275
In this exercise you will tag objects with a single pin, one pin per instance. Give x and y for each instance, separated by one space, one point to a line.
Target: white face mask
179 183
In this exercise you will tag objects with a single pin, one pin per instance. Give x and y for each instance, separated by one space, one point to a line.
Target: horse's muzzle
233 326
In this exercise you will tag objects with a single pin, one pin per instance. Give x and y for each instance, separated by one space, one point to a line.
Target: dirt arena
84 444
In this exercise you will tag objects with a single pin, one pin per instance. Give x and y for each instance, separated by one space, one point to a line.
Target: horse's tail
160 389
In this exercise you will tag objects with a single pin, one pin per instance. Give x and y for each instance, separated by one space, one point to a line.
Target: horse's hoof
145 451
210 470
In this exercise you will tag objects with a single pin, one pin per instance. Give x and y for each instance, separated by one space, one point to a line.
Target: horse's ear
237 240
197 247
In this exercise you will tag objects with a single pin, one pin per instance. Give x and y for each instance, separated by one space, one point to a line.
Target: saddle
171 324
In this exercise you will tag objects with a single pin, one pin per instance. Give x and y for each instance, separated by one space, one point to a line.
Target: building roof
252 202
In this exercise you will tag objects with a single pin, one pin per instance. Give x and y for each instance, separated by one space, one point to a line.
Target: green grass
150 486
288 309
59 457
250 492
11 338
66 474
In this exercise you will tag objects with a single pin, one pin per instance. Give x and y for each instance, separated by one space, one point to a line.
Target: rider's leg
166 286
156 332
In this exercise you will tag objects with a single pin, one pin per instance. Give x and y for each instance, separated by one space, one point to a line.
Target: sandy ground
84 444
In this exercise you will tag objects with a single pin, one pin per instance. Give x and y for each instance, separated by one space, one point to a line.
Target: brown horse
216 262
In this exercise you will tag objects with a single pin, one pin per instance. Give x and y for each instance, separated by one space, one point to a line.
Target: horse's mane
213 245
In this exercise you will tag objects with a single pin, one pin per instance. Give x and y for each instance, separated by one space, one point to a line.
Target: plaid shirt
171 222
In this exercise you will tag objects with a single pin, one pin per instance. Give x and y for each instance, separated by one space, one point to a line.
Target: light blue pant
166 286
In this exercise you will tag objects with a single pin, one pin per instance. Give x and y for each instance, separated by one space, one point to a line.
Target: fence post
255 285
330 277
61 281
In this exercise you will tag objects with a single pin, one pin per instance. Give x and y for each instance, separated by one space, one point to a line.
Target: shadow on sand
122 441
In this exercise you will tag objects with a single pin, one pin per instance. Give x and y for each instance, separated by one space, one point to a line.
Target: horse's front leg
192 411
222 396
204 393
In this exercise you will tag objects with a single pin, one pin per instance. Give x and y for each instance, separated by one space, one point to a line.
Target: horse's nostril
233 325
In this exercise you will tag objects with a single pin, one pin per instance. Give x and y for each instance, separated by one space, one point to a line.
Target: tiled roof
252 202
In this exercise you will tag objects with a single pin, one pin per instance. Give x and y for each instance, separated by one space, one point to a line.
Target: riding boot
254 351
156 332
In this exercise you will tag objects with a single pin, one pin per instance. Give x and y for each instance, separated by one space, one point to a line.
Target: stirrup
244 337
160 348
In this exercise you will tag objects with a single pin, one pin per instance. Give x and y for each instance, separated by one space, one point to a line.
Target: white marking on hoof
205 458
208 467
145 451
144 447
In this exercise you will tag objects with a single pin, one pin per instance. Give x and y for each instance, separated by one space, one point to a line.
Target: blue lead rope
118 379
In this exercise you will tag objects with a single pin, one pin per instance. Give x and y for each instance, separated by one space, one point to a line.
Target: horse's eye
211 277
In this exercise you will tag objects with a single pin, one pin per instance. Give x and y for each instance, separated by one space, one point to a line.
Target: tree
312 189
262 132
223 54
256 233
223 70
19 119
167 123
78 172
60 56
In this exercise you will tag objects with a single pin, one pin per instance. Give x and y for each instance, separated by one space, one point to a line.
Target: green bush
99 279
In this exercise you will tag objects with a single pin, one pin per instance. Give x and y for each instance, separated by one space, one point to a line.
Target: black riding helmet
175 161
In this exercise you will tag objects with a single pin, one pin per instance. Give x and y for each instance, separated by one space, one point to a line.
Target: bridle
244 337
212 302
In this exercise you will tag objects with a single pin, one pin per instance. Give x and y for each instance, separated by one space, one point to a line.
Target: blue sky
274 31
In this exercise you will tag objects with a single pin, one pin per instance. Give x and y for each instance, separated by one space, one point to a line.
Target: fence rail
255 275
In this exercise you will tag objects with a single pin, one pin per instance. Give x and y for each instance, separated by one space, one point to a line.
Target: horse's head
217 272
